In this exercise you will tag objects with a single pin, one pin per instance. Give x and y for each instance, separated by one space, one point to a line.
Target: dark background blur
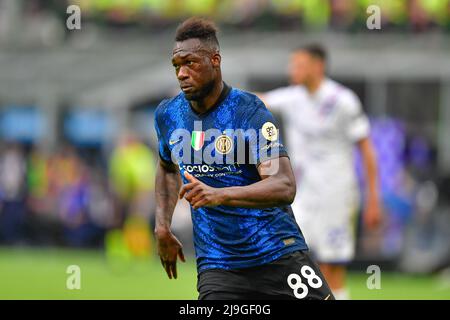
77 144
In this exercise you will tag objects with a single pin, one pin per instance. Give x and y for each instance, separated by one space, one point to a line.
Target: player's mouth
187 88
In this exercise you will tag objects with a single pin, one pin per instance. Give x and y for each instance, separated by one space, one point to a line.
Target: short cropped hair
315 50
198 28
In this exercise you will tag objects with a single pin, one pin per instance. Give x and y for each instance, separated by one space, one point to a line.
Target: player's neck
210 100
314 85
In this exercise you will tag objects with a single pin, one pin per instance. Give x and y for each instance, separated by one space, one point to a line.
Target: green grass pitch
41 274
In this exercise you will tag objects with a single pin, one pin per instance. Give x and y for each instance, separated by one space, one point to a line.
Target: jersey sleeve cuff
281 154
168 162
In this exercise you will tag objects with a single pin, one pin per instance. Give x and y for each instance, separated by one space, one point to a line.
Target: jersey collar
225 91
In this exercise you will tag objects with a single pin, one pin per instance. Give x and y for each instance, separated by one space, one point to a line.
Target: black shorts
293 276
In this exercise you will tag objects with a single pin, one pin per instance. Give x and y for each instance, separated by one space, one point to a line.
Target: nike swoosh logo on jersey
171 142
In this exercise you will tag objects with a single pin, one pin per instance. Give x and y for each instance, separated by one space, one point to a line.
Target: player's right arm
168 184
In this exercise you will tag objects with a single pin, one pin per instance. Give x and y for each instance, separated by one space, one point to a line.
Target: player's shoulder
343 92
166 105
347 99
247 103
249 109
244 96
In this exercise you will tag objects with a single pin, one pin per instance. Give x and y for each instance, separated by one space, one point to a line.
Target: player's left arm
372 210
276 188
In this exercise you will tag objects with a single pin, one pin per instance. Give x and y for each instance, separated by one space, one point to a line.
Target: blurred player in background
132 177
247 243
324 121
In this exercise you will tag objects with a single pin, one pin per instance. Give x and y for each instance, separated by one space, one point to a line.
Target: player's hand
199 194
372 215
169 248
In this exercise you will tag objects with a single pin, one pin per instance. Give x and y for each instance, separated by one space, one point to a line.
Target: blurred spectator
73 203
100 200
316 14
343 14
12 194
42 223
419 18
241 13
436 11
199 7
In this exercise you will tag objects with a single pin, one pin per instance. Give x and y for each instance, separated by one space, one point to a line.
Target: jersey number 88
300 289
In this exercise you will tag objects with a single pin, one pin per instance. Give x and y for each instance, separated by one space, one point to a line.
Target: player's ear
216 59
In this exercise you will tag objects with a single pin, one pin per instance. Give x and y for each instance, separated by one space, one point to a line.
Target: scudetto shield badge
198 139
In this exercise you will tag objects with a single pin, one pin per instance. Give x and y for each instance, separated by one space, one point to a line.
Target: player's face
303 67
196 68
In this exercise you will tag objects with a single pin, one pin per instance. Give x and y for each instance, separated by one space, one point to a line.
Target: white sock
341 294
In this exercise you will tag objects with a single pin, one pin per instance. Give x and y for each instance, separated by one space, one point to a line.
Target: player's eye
189 63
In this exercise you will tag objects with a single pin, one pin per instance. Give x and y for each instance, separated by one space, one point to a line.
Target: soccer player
247 243
324 121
